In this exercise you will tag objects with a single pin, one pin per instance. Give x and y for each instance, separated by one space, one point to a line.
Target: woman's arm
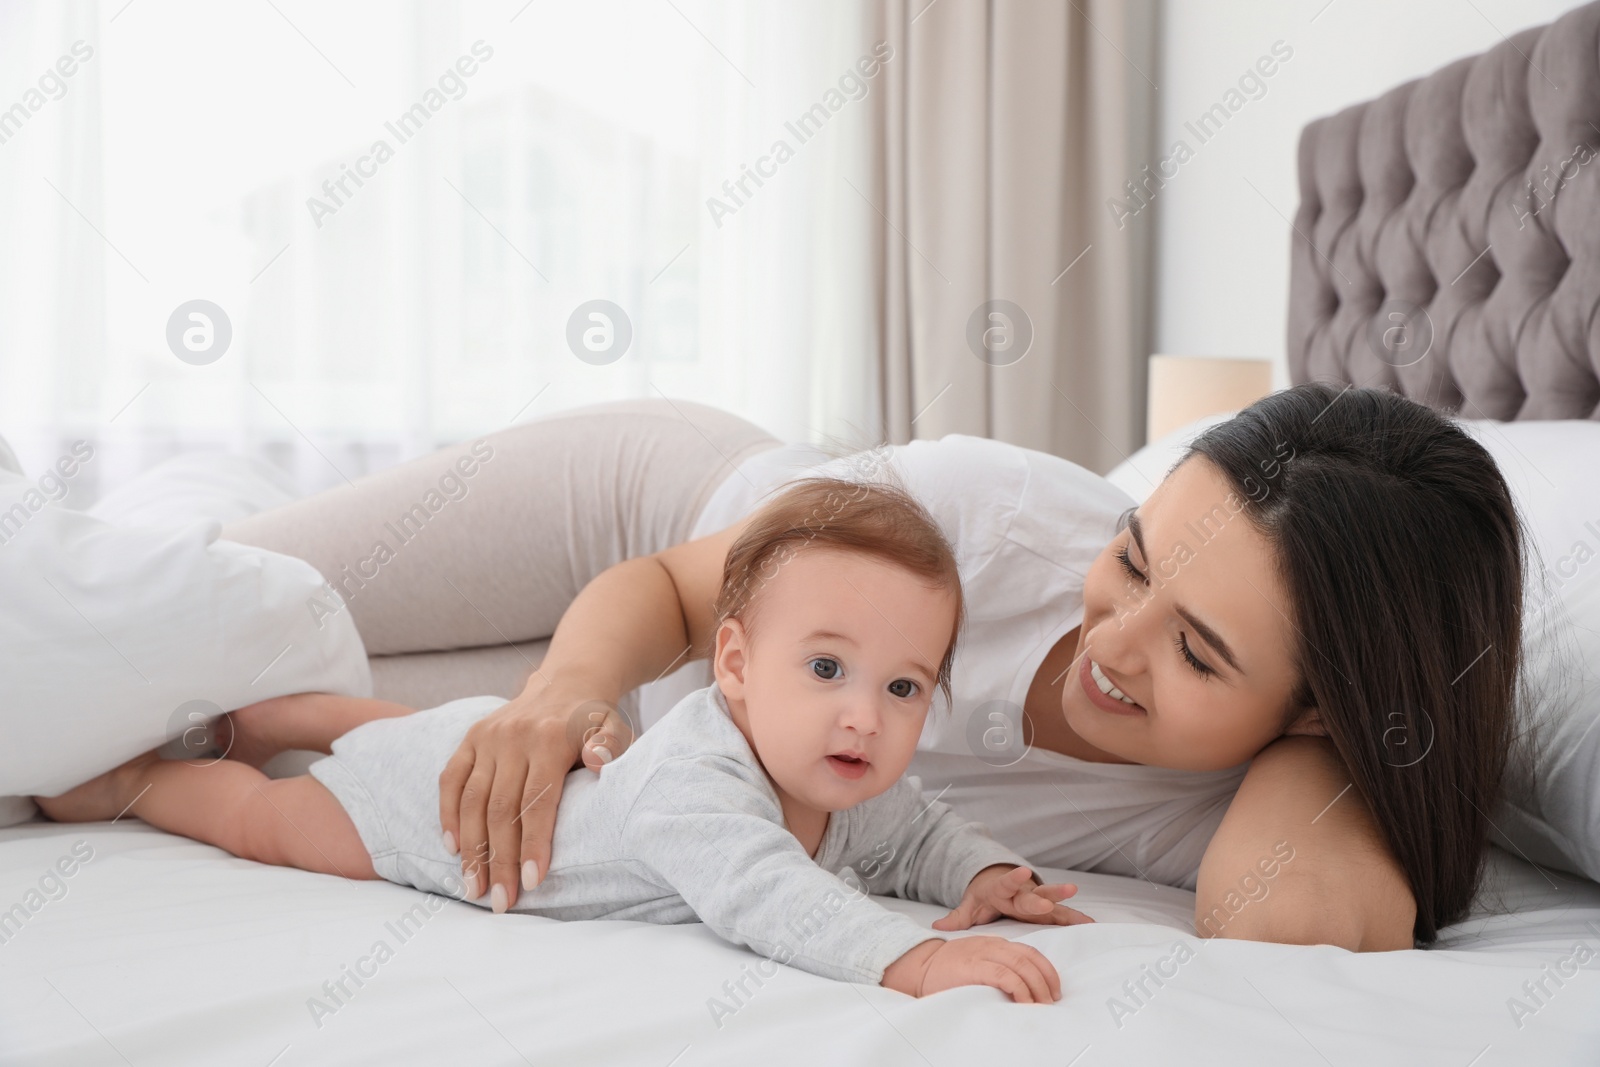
1293 864
633 621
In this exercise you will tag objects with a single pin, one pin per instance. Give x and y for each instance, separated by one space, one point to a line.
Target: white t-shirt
1025 526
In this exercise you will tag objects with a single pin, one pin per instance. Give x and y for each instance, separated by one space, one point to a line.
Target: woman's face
1199 638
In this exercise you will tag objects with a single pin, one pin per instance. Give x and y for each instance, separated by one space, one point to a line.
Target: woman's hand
1020 971
1010 891
632 623
499 793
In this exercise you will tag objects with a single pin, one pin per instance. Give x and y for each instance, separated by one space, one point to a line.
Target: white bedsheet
166 951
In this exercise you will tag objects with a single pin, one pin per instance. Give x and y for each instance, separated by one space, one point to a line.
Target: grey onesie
683 827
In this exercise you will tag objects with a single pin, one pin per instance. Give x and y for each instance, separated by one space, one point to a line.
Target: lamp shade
1185 388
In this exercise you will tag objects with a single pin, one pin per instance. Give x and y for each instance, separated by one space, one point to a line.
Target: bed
156 949
167 951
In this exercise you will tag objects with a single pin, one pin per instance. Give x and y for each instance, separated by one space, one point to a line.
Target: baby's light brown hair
875 518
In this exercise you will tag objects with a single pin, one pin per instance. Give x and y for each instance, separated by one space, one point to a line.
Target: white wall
1222 248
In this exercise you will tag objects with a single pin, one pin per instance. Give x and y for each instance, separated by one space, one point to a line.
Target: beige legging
457 566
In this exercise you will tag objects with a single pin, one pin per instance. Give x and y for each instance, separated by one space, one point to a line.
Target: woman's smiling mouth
1090 676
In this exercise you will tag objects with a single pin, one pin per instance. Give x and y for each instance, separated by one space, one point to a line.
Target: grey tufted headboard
1447 243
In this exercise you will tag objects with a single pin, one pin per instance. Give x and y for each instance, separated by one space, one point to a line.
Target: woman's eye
1199 667
829 669
1127 564
906 684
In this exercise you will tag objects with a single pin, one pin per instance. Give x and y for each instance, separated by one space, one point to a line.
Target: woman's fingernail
603 753
450 842
530 874
497 898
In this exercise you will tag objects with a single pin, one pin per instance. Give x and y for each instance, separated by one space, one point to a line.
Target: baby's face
833 690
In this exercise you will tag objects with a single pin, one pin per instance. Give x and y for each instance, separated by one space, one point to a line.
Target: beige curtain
1004 131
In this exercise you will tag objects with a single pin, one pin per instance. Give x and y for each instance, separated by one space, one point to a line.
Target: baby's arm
717 840
923 850
1018 970
1013 892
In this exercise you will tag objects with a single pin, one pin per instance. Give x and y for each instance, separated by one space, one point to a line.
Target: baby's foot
100 798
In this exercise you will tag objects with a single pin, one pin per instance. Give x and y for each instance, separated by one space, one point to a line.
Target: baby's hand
1009 891
1019 971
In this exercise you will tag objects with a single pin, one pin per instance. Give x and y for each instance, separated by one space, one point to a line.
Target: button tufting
1469 196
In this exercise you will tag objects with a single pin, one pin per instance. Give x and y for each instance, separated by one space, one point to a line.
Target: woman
1286 680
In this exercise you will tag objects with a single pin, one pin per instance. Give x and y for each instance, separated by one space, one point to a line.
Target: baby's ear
729 656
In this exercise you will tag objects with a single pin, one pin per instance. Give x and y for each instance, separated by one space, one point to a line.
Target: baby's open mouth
848 765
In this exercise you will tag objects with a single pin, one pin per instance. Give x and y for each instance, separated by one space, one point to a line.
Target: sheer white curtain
399 207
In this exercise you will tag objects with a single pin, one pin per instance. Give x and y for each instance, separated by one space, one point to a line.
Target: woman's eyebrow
1210 636
1137 528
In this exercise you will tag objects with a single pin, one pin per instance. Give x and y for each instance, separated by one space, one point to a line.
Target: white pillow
112 636
8 458
196 485
1550 467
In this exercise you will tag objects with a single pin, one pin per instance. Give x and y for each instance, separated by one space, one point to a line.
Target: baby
767 805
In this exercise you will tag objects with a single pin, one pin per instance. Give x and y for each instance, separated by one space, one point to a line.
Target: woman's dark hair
1403 556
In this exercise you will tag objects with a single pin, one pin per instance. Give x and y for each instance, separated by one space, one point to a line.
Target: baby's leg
309 721
290 822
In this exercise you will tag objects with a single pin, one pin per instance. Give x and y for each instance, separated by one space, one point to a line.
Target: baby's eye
829 671
903 687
